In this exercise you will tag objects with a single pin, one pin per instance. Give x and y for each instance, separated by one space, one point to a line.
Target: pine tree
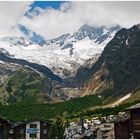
57 129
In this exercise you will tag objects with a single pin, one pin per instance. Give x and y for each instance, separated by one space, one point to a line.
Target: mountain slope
115 74
134 97
6 57
117 69
25 85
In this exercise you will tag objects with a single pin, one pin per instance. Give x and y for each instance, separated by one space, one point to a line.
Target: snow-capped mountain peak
64 54
99 34
17 41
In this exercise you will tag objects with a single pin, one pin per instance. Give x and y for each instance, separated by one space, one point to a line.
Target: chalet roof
29 121
8 121
122 118
134 106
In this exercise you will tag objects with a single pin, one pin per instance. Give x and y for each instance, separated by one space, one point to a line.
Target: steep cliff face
118 67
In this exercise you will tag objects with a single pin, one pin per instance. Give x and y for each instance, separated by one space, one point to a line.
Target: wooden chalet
32 129
24 130
128 126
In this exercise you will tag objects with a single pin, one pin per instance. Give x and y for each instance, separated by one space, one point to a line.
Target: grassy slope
21 112
87 105
28 89
133 98
73 108
25 85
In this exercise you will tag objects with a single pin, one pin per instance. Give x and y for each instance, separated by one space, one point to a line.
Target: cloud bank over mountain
10 14
50 22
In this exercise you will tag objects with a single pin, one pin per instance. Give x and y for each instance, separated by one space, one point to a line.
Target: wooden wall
18 134
122 130
135 121
5 126
43 126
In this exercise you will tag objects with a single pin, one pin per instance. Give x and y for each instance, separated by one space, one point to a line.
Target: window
11 131
45 131
33 135
22 131
33 125
44 124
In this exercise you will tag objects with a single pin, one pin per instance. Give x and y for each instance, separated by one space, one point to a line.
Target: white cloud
10 14
71 15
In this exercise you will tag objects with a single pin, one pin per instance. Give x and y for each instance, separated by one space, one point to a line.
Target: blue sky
44 4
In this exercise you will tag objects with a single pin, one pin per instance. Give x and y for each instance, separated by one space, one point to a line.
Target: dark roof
6 120
122 118
28 121
134 106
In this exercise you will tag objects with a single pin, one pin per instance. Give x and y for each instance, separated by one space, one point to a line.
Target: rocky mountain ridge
118 67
